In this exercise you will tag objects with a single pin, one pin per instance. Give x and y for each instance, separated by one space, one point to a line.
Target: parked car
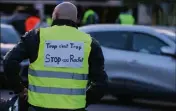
5 19
140 60
1 65
9 38
171 28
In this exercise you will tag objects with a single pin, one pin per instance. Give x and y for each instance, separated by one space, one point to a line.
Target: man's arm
97 74
12 64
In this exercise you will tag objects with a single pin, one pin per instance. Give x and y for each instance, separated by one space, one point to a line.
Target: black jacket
27 48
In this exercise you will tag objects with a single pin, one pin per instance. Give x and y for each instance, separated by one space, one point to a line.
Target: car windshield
170 34
9 35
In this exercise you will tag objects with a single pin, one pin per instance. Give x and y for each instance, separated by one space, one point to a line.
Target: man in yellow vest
125 18
63 61
48 20
90 17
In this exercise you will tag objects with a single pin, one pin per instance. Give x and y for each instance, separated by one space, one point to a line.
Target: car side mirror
168 51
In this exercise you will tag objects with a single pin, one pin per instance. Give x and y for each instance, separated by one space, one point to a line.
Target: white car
140 60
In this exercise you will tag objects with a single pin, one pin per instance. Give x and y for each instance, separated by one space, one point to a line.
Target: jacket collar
60 22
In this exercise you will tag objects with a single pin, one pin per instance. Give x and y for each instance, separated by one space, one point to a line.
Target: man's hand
24 94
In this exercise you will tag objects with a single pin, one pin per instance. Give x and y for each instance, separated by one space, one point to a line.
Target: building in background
151 12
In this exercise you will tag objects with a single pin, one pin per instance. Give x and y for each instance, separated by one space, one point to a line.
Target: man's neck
60 22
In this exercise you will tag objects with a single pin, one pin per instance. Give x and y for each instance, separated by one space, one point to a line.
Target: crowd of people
26 18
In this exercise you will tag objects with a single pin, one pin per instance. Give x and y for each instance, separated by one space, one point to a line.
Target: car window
147 43
9 35
112 39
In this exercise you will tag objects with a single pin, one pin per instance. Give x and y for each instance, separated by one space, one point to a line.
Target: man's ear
53 16
57 15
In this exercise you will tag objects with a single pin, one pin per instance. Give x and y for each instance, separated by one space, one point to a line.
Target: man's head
65 10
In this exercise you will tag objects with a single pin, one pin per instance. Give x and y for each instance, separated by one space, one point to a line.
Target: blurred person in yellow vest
90 17
125 17
49 20
66 71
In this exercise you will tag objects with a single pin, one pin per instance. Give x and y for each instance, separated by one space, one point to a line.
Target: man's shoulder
30 34
95 42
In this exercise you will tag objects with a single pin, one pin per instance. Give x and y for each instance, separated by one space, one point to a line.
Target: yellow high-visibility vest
127 19
86 15
58 78
49 21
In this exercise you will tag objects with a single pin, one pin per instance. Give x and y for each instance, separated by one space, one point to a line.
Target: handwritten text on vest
64 54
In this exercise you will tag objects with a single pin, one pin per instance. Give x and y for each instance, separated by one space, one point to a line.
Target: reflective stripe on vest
51 74
126 19
59 87
50 90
